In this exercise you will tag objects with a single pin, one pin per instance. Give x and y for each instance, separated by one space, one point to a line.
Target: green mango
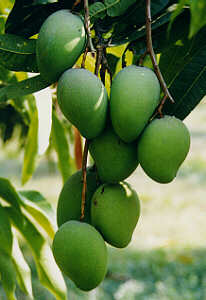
82 98
163 147
70 198
135 93
115 212
81 254
61 41
115 160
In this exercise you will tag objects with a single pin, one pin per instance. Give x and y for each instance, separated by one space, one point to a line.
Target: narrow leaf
189 87
48 272
22 269
22 88
31 148
16 44
8 275
61 146
6 236
8 193
40 209
117 7
198 16
97 10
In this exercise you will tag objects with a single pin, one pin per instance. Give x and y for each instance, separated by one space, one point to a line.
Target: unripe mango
81 254
135 93
115 211
60 42
115 160
82 98
163 147
70 198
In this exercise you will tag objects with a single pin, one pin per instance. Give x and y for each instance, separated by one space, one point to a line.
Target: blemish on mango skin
102 191
95 202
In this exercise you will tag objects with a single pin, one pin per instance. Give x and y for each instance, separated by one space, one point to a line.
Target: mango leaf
22 88
40 209
22 269
125 35
61 146
31 148
26 17
8 275
6 236
48 272
198 16
178 10
17 53
117 7
188 87
97 10
8 193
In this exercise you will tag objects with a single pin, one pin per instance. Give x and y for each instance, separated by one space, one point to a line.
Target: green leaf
31 148
6 236
17 44
198 16
17 53
61 146
22 269
189 87
22 88
48 272
97 10
117 7
26 17
40 209
8 193
8 275
177 11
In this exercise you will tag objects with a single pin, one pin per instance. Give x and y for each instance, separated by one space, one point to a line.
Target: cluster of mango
120 137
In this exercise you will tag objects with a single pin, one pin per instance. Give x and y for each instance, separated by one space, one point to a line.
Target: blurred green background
166 259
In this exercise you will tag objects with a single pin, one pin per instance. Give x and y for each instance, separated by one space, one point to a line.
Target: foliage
179 41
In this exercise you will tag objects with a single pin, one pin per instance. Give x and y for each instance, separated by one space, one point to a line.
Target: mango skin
82 98
61 41
135 93
115 212
163 147
115 160
70 198
81 254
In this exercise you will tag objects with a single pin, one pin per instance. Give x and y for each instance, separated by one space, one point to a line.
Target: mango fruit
115 160
82 98
162 148
81 254
60 42
69 202
135 93
115 212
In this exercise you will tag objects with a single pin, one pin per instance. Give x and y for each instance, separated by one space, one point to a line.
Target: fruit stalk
84 177
87 25
150 51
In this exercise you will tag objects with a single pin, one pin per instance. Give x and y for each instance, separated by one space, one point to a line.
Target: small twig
151 52
84 58
87 25
142 57
77 148
76 3
84 177
98 59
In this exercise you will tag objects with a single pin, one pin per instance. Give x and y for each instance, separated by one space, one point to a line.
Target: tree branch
150 51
